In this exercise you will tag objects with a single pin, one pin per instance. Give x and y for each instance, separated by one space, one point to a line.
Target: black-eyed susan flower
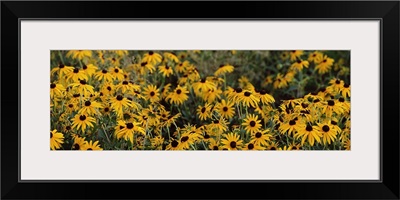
324 64
252 124
261 137
128 130
220 124
204 112
152 93
249 99
264 97
332 106
104 75
173 145
314 55
90 108
118 103
171 57
79 54
345 90
232 141
178 96
280 81
295 54
127 86
272 146
165 70
186 141
152 57
327 132
117 73
157 142
76 75
79 143
56 139
224 69
62 70
202 86
56 90
92 146
309 133
299 65
83 88
213 145
290 127
82 121
226 109
89 69
253 147
335 85
212 95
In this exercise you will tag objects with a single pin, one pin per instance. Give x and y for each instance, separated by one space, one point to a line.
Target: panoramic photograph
210 100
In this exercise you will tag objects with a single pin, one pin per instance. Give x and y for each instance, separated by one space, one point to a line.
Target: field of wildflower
199 100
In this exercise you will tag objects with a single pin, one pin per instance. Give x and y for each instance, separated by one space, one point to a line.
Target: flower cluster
199 100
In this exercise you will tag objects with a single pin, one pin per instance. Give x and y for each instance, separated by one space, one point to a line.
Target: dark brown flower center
76 70
51 135
83 82
325 128
116 70
272 148
304 105
90 149
225 109
216 121
88 103
232 144
179 91
309 128
119 97
206 136
84 67
337 81
174 143
108 88
125 82
252 123
129 125
61 66
68 128
331 103
203 80
215 148
258 135
104 71
166 67
262 92
106 109
250 146
152 93
77 147
292 122
346 85
184 139
341 99
52 86
247 94
203 110
238 90
151 53
82 117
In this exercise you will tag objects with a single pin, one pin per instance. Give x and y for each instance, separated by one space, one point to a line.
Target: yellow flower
56 139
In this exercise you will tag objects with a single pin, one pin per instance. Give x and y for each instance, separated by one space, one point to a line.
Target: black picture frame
386 11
